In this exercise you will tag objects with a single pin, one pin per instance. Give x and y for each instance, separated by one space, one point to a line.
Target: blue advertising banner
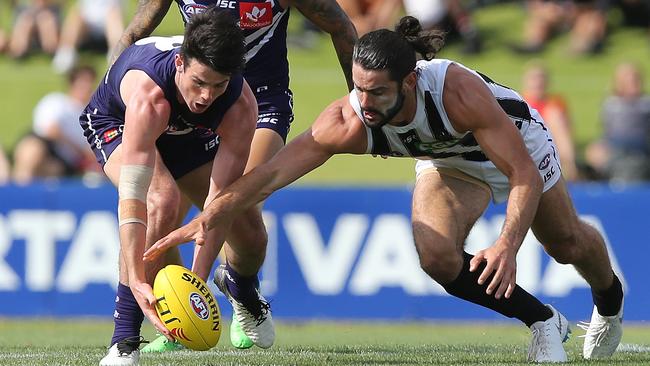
334 253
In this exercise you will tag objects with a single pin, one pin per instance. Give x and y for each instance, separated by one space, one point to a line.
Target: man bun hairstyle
426 43
396 50
214 39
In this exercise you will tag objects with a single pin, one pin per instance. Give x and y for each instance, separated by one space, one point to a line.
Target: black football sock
242 288
128 316
520 305
609 301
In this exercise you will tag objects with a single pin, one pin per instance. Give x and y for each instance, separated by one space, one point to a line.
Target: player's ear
409 81
179 63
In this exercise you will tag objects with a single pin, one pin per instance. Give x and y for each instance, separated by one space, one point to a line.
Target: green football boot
238 338
162 344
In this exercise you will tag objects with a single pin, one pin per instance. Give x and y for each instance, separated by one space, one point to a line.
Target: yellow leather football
187 307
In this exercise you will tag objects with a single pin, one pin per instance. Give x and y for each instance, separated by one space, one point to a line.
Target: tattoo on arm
147 17
328 16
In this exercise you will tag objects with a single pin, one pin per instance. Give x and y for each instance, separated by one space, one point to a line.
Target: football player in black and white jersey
474 140
264 24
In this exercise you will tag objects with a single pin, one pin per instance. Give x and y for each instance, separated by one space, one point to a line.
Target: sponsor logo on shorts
545 162
211 144
549 174
199 306
271 118
110 135
192 9
255 15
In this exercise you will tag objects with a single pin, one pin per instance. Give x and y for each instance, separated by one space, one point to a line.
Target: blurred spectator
447 15
36 22
623 154
368 15
93 24
554 111
4 38
5 170
56 146
586 20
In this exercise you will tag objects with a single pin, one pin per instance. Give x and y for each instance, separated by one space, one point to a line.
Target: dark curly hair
396 50
214 39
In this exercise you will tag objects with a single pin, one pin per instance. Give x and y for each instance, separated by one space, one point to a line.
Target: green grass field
82 342
317 80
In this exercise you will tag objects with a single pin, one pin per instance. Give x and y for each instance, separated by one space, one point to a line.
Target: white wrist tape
133 186
134 182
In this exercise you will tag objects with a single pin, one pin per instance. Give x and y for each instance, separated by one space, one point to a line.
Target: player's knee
564 249
163 208
441 266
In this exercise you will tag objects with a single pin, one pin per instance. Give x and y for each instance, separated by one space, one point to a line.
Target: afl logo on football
199 306
545 162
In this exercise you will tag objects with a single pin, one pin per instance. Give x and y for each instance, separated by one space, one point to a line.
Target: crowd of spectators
61 28
50 27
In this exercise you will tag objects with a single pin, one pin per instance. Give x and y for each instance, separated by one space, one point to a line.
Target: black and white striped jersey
431 135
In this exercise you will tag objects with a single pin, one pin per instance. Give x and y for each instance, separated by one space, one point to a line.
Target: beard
385 117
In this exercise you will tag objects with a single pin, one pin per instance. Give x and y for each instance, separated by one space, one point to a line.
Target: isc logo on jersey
187 307
225 4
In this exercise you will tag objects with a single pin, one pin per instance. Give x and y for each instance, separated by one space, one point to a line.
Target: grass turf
82 342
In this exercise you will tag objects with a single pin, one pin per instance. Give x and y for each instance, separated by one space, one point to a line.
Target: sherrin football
187 307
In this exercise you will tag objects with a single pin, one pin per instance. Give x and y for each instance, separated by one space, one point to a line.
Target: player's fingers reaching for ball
156 250
192 231
143 294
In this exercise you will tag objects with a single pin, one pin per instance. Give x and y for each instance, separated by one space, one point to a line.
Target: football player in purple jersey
264 23
173 116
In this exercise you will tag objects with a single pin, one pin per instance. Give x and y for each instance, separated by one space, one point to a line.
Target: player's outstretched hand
195 230
500 261
143 294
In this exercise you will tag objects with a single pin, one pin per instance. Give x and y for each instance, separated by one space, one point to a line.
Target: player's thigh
266 143
556 221
163 196
196 184
445 207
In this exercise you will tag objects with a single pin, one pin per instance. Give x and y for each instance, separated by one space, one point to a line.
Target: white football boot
603 334
257 322
548 336
123 353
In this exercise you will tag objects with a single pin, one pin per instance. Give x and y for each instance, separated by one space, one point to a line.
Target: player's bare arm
147 17
471 107
337 130
329 17
235 135
146 116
